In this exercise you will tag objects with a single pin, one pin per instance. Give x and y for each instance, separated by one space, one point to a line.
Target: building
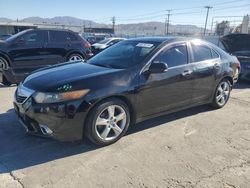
14 27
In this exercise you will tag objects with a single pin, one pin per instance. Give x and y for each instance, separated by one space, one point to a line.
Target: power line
231 7
156 13
227 2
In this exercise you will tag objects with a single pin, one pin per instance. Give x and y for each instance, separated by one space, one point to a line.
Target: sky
128 11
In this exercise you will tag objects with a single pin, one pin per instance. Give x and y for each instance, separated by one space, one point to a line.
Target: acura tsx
132 81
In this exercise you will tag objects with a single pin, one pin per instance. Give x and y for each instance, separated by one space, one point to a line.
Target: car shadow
19 150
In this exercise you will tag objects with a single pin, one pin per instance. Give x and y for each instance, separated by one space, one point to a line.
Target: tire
222 94
75 57
102 127
4 66
6 82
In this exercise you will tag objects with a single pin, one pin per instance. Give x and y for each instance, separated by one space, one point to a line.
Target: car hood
235 43
51 78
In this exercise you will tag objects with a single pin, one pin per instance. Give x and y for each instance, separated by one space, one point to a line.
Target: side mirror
158 67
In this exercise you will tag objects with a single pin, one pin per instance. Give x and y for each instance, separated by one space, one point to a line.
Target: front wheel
222 94
5 81
107 122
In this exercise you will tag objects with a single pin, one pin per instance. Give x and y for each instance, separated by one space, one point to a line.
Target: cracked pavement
195 148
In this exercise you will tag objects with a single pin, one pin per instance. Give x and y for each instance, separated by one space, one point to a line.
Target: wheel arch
120 97
6 57
228 78
74 52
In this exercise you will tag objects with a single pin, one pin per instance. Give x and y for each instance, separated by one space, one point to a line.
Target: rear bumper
63 122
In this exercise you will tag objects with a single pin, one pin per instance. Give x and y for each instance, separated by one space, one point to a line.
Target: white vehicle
97 47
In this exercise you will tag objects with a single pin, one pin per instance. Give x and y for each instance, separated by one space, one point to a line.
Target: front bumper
65 121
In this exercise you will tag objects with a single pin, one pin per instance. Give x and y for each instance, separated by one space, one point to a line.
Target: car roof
51 29
113 38
160 39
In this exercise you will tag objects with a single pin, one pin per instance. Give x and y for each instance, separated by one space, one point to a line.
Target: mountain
64 20
146 28
5 20
155 28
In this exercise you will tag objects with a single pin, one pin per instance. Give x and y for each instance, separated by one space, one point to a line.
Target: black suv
36 48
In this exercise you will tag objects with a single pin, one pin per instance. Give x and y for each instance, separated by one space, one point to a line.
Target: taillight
87 45
238 64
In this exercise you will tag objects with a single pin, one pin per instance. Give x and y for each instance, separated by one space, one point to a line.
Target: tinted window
72 37
59 36
174 56
201 53
33 37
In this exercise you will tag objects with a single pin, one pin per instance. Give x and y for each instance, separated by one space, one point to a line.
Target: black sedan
129 82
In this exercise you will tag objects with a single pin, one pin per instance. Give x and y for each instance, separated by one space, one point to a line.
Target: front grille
20 99
22 93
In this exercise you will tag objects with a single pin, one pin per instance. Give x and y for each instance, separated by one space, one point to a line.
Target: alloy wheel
3 64
75 58
111 122
222 93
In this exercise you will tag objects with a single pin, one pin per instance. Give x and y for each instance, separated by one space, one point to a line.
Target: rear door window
174 56
59 36
72 37
201 53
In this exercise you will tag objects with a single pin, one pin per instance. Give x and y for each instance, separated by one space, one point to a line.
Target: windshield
124 54
13 37
104 41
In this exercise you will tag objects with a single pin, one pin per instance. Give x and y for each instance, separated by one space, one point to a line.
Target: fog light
45 130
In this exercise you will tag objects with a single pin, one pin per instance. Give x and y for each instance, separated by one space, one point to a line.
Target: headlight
59 97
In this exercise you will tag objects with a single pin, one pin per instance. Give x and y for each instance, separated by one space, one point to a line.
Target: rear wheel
4 66
75 57
107 122
222 94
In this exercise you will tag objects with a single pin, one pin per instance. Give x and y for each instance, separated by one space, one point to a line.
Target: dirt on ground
198 147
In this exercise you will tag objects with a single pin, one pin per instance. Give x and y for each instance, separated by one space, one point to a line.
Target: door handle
217 66
187 73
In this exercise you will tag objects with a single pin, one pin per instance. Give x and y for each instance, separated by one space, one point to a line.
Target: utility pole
113 23
167 22
208 8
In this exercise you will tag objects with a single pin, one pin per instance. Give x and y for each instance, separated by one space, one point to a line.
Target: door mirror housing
158 67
